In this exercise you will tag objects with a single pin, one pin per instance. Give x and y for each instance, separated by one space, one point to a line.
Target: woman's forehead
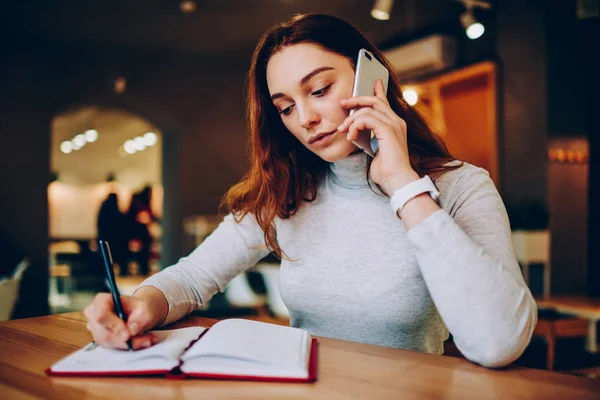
290 64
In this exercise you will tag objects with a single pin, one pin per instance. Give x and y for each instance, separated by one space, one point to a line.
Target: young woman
354 266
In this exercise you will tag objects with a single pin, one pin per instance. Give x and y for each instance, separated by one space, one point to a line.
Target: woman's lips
323 140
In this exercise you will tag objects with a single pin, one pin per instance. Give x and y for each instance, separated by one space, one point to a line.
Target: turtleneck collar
350 171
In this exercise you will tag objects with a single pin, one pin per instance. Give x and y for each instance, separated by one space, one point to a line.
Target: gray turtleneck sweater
358 275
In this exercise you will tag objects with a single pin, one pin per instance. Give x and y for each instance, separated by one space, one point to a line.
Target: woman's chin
336 152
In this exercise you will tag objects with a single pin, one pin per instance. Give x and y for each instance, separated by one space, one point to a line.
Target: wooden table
346 371
580 306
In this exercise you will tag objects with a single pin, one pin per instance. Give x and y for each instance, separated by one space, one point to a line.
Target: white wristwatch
401 196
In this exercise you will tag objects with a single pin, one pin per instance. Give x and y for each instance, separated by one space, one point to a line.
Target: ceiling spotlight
188 7
473 28
129 147
382 9
139 144
66 147
150 138
79 140
91 135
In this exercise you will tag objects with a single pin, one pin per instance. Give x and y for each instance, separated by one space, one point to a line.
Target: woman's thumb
137 315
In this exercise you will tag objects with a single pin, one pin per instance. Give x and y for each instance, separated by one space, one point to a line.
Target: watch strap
407 192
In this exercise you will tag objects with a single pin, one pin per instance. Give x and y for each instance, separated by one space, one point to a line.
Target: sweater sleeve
468 263
231 249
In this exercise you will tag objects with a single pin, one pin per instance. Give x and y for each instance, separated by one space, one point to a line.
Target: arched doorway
110 159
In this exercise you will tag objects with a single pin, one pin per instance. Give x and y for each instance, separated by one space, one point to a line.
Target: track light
382 9
473 28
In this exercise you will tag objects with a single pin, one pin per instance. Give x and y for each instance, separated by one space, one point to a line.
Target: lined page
245 343
163 355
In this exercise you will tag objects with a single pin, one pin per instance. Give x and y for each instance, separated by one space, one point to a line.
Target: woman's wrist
157 304
397 181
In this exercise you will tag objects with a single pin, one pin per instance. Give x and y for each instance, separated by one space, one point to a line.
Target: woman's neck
351 170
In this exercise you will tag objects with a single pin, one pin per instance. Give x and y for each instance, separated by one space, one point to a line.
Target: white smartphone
368 70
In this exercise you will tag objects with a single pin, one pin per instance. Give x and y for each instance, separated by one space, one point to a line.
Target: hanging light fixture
473 28
382 9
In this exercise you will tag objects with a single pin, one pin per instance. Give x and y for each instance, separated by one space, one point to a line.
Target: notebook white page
162 356
244 347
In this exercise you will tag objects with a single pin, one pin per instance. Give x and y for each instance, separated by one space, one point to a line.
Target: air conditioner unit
422 57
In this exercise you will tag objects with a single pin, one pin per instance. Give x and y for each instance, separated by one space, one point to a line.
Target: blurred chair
60 286
533 247
552 326
86 271
270 274
9 290
239 294
62 247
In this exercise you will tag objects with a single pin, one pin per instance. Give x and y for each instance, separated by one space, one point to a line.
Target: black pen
110 274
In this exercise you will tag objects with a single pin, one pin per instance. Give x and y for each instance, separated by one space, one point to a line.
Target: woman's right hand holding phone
147 309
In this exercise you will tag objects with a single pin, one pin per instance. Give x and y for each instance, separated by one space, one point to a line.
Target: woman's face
306 84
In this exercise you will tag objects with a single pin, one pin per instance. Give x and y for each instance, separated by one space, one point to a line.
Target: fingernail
124 334
340 127
134 327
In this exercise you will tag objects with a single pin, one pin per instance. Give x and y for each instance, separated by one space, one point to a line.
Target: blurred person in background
113 227
141 217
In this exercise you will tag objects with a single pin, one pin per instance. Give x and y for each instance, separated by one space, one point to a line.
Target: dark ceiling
217 27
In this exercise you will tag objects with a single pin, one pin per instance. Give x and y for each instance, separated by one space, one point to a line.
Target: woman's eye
321 92
286 111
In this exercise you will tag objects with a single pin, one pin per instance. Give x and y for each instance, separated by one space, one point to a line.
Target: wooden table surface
346 371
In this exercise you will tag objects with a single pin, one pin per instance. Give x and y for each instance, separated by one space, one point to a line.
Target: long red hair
283 173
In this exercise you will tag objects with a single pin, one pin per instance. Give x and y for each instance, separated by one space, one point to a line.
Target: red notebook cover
176 373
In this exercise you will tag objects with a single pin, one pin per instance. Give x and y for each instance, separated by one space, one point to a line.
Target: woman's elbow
499 356
508 345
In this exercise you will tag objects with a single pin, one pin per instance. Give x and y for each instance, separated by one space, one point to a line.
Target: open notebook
231 349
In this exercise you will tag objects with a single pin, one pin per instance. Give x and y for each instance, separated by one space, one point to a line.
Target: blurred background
130 114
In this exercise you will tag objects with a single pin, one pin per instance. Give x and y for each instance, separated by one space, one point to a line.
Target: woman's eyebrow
304 80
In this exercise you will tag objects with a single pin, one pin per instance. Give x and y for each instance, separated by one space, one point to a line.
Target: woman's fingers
378 101
110 339
144 341
365 101
380 91
105 337
105 316
366 121
101 312
364 111
110 331
138 315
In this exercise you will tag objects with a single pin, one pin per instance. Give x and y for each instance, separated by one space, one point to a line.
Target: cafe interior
133 114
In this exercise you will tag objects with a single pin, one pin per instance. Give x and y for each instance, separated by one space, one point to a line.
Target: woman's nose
307 117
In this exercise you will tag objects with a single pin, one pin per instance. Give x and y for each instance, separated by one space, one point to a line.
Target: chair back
9 290
20 269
